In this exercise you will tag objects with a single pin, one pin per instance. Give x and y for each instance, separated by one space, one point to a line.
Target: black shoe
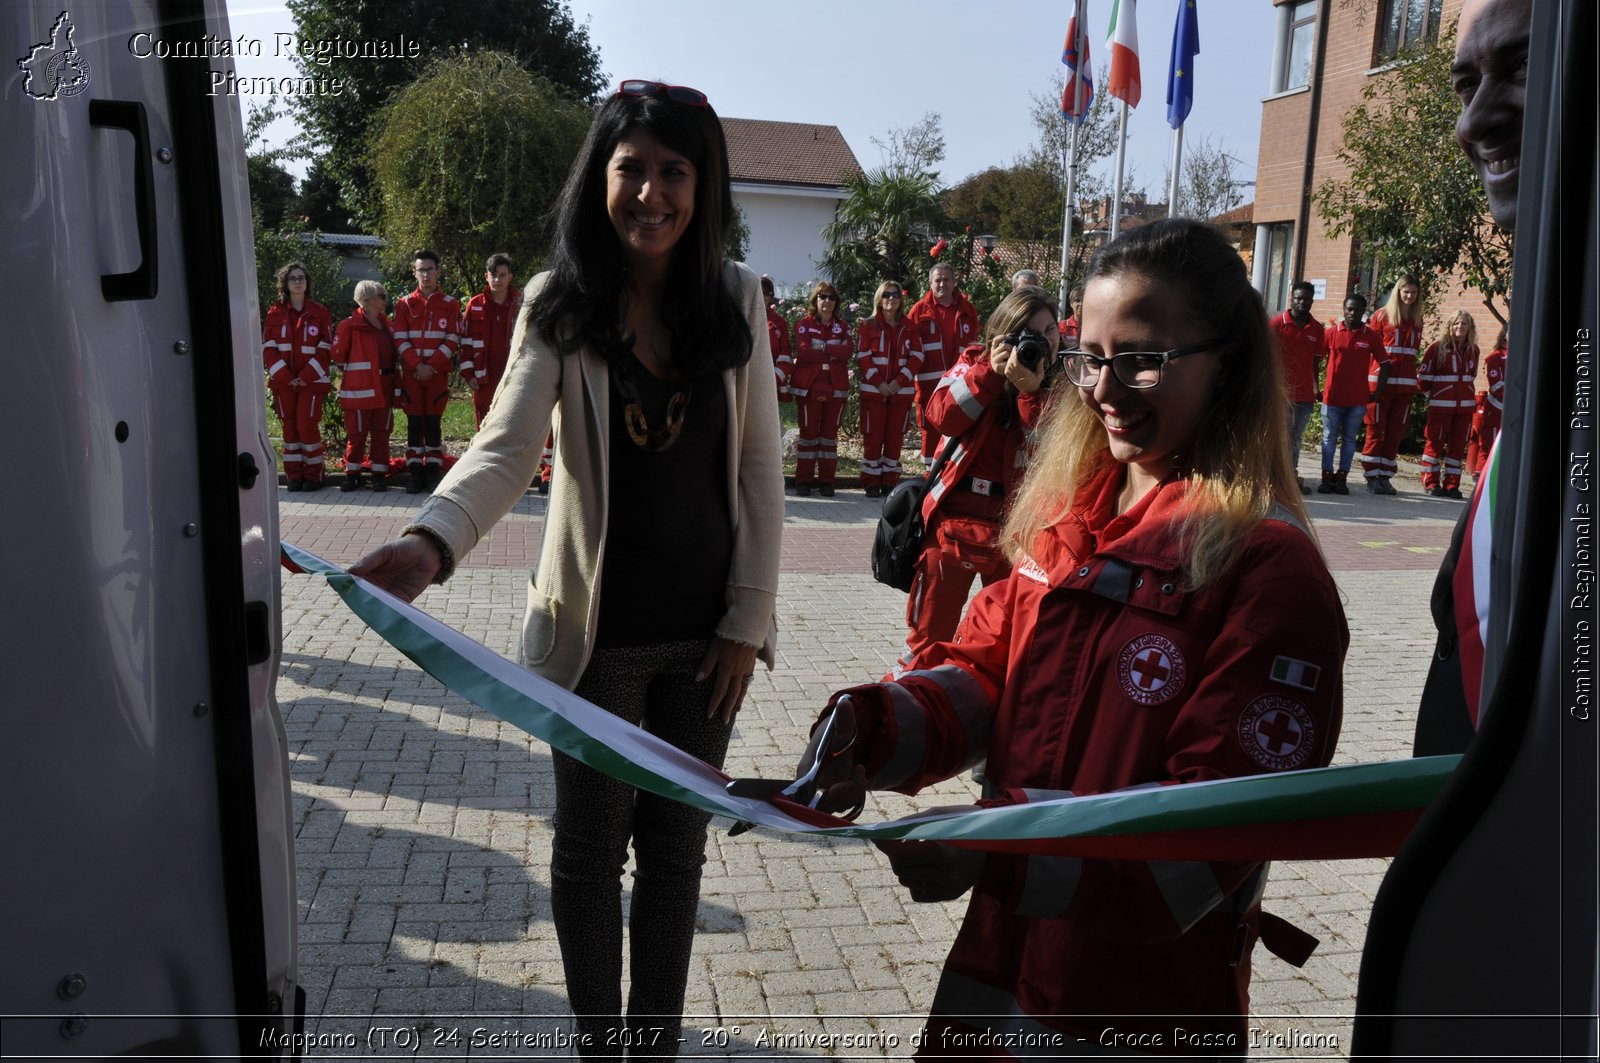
312 485
1340 487
295 486
351 482
803 490
417 482
1373 486
544 487
435 474
1453 492
874 491
826 490
1385 487
380 483
1326 486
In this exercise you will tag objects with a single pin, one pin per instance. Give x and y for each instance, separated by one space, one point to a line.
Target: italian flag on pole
1123 40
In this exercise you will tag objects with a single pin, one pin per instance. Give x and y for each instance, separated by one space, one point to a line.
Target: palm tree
881 229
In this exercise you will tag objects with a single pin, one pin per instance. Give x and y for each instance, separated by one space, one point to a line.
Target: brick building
1363 38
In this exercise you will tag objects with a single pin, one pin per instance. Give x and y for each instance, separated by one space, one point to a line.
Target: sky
870 68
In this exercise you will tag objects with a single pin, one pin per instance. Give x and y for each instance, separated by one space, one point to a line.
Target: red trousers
481 398
364 429
300 410
816 450
1485 426
883 432
1386 426
930 436
955 551
1446 444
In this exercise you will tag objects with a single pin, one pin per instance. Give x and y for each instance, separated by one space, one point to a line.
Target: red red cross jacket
886 352
1494 367
1349 351
994 443
1301 348
778 335
821 358
1448 375
1093 669
365 354
1401 343
1069 332
945 330
486 328
296 345
427 330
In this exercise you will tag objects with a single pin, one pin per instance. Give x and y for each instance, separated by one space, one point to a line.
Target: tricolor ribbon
1357 810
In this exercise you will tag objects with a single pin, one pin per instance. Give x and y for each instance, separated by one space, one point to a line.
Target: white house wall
786 229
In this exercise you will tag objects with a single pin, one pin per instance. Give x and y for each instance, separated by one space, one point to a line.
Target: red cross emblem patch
1277 733
1151 669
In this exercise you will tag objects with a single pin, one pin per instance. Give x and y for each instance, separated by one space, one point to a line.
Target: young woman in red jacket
1392 380
820 383
1447 372
1486 418
1170 620
369 377
296 341
888 358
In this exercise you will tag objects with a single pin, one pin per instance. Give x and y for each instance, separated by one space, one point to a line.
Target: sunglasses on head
676 93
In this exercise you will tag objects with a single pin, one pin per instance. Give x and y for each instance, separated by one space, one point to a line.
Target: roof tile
790 153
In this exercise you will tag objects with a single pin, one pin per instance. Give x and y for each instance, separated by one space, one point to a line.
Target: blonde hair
1447 338
1238 462
877 299
1396 311
367 289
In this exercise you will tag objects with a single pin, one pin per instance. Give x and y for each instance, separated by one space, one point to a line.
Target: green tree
321 202
882 229
272 191
539 34
1411 198
467 158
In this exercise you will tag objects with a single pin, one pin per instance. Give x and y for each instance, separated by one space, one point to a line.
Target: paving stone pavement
424 824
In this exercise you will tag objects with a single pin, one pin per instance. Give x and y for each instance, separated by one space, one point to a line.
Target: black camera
1030 348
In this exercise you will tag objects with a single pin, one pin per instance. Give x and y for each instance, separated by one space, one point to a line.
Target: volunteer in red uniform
296 340
947 322
1069 325
820 384
1392 381
1170 621
1299 337
988 402
1350 347
364 351
1447 372
888 357
427 331
487 324
778 334
1486 418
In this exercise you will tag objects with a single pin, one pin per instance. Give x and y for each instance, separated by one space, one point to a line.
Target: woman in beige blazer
657 581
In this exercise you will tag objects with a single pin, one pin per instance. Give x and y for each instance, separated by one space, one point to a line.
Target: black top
669 543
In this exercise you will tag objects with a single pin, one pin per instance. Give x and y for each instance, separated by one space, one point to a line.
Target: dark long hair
581 301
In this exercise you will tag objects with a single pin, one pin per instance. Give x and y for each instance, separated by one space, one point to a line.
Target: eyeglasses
827 298
676 93
297 278
420 270
1133 369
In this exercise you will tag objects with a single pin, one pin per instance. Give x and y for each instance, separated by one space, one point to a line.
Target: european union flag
1180 80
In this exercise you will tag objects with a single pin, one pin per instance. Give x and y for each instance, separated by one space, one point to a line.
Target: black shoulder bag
898 542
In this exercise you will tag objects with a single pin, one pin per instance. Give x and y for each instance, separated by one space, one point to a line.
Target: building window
1278 248
1404 24
1298 32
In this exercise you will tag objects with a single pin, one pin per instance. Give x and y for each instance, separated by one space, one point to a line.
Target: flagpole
1177 164
1066 216
1122 151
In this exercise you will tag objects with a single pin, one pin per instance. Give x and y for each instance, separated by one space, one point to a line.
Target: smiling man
1489 76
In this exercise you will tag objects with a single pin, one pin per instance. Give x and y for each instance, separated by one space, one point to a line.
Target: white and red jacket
427 331
1494 367
295 345
366 356
821 358
486 328
944 331
1448 375
1069 332
778 335
1401 342
885 353
1094 668
994 433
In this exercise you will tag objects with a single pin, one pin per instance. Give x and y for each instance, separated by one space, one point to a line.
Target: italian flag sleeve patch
1292 673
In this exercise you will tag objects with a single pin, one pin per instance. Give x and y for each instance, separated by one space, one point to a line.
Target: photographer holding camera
985 406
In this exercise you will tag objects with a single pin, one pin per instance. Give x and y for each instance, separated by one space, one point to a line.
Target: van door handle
129 115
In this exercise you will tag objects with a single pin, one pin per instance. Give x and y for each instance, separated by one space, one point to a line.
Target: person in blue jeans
1349 347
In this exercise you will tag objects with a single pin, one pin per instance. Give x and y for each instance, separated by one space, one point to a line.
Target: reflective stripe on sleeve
970 404
277 367
1189 887
1049 885
910 740
969 702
